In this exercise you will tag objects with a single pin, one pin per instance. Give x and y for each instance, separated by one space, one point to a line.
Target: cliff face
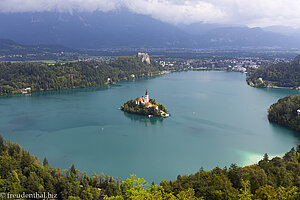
145 57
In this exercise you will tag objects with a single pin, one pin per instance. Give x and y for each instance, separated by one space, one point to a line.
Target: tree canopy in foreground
277 178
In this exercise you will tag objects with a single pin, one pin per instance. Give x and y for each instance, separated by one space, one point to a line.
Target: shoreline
114 83
278 87
275 87
252 158
76 88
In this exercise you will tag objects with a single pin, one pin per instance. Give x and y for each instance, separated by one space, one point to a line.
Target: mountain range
117 29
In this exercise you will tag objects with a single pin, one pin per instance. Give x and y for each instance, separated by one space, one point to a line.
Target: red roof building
142 99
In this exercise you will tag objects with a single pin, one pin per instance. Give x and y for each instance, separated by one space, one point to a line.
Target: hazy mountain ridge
246 37
285 30
124 29
11 47
90 30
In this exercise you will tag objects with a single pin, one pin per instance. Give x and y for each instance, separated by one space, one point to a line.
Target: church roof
141 99
148 104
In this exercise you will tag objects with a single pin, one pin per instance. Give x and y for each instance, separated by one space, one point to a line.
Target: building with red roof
145 101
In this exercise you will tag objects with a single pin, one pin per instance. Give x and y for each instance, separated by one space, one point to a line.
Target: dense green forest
284 112
281 75
141 109
43 77
277 178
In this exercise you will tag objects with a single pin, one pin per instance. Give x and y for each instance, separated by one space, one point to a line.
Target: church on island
145 106
145 101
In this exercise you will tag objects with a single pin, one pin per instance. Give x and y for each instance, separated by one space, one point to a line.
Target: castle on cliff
145 57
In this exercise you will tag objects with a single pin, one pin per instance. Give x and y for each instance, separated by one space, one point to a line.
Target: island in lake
145 106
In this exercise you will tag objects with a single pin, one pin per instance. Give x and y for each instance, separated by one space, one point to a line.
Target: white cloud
174 12
246 12
260 12
57 5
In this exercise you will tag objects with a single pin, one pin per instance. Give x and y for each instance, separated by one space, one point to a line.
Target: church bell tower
146 96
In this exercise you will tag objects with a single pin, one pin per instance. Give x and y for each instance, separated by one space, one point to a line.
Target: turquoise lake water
217 119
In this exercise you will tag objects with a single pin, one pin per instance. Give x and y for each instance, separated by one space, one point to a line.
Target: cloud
7 6
243 12
174 12
260 13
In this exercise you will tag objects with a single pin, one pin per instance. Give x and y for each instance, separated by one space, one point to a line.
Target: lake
216 119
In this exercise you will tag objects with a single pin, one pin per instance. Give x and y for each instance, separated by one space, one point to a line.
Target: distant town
238 64
169 59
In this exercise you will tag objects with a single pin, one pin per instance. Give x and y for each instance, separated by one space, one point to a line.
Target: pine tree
45 162
266 157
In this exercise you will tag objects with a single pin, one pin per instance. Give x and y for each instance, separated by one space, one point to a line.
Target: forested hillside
281 75
277 178
284 112
43 77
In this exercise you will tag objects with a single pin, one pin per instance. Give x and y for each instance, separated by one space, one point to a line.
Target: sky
253 13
